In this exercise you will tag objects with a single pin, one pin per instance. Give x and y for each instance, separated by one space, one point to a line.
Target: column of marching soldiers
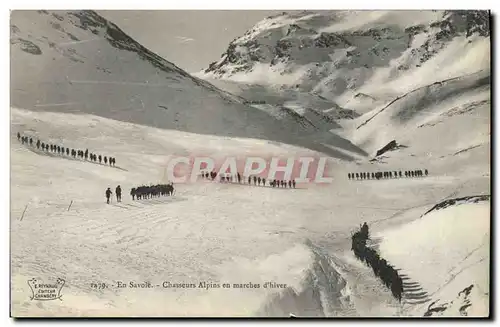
388 174
257 180
142 192
66 151
381 268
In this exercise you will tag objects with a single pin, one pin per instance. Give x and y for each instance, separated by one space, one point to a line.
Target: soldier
426 172
37 144
293 183
108 195
100 158
118 191
18 136
31 141
67 151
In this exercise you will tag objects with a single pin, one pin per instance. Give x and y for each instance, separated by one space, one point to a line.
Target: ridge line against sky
191 39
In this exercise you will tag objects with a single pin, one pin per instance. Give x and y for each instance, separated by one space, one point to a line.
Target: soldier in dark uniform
108 195
118 191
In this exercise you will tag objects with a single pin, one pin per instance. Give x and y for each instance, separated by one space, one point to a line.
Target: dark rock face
390 146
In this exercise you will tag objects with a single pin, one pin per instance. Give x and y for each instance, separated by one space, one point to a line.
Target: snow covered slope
207 232
78 62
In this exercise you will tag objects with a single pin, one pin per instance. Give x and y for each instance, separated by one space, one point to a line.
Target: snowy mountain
78 62
347 66
340 54
79 82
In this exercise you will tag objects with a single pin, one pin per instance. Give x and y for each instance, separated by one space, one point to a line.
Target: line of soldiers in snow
381 268
257 180
62 150
388 174
152 191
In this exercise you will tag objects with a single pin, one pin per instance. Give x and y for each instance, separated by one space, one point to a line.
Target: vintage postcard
208 163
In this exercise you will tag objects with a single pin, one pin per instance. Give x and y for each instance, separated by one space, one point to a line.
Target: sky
191 39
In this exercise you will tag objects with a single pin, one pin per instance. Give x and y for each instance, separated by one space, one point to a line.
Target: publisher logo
46 291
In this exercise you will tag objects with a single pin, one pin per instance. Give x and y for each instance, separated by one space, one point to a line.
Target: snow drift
455 242
355 67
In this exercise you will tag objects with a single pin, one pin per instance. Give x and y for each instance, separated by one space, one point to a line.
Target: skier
118 193
108 195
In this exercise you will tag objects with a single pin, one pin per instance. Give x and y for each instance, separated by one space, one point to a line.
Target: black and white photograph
250 163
